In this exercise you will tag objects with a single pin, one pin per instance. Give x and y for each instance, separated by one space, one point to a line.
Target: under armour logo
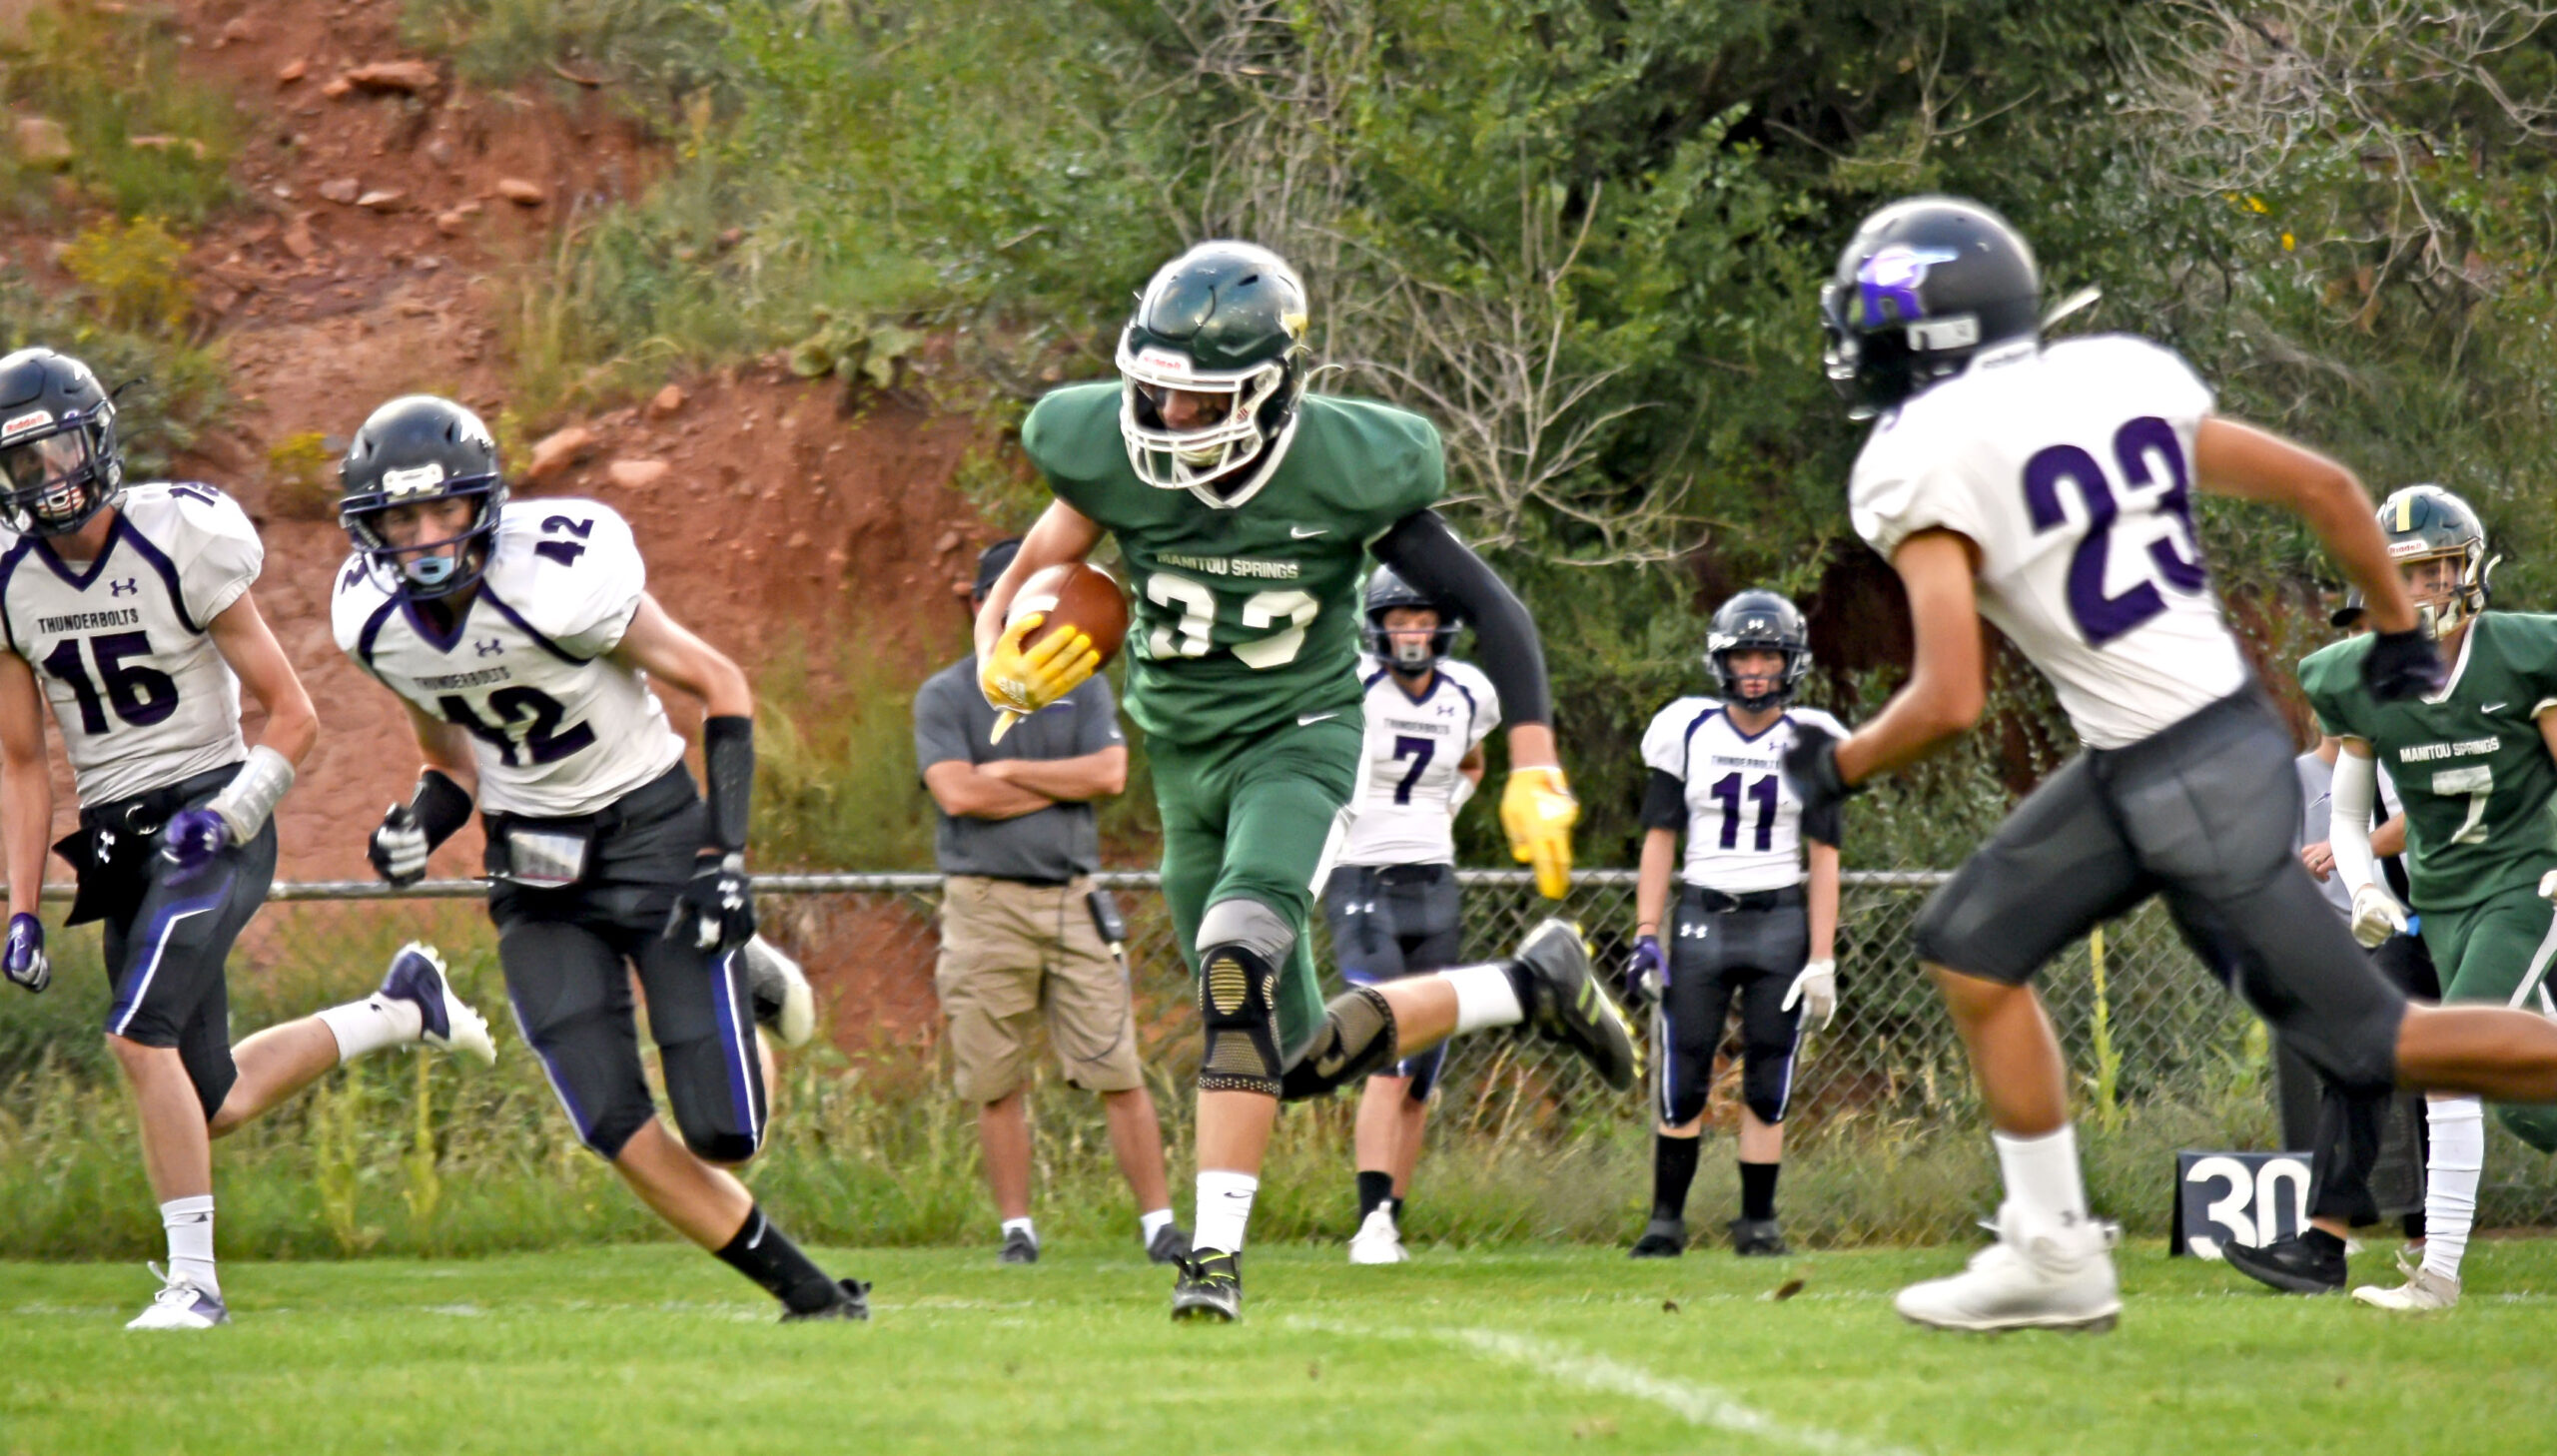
1692 931
106 846
127 588
1446 710
489 648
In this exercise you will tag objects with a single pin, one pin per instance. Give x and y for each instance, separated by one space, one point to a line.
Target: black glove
715 910
399 847
1810 769
2401 665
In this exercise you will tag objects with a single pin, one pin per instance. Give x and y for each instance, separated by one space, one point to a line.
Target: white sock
190 1226
1150 1225
374 1022
1225 1206
1484 997
2042 1175
2451 1179
1023 1224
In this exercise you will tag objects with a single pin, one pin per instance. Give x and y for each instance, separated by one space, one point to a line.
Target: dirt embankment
390 217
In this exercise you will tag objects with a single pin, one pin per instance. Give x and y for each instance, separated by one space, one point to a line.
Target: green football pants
2498 952
1254 816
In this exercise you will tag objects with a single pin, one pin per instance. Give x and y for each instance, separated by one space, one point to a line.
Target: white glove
2376 915
1817 989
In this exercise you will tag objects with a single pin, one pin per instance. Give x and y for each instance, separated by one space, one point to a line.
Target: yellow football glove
1019 680
1538 811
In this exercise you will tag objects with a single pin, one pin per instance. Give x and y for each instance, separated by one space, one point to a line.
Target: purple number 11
1763 794
2103 616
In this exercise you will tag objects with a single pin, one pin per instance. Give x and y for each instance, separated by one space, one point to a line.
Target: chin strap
248 800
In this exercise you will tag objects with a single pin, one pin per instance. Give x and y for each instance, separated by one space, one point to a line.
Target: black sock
1395 1203
2321 1240
1673 1167
1374 1190
766 1255
1758 1190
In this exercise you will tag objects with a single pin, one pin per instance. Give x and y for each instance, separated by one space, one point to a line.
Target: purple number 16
2102 616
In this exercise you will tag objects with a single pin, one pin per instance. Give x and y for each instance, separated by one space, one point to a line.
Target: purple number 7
2102 616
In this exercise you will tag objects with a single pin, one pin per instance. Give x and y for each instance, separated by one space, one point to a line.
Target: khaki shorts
1013 955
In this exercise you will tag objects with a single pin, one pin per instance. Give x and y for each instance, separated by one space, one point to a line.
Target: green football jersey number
2474 774
1246 613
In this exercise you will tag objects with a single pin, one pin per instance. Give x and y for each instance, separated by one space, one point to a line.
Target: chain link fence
1884 1139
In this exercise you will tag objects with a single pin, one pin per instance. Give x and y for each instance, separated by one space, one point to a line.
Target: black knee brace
1356 1042
1237 991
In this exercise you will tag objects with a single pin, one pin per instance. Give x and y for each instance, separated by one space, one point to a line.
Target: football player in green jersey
2476 766
1244 509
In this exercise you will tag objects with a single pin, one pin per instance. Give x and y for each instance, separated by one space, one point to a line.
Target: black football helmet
1387 591
416 449
1926 283
2424 521
1224 319
1765 621
58 453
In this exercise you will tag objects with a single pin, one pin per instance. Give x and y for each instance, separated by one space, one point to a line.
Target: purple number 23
2103 616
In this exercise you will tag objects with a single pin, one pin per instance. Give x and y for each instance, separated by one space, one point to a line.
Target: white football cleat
2048 1277
1378 1241
416 974
783 1001
180 1304
2423 1290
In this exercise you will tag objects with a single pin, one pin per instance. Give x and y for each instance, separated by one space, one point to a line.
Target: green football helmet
1228 320
2425 521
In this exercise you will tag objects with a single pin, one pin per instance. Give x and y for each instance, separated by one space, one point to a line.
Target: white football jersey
1405 812
2070 467
1744 825
556 726
123 645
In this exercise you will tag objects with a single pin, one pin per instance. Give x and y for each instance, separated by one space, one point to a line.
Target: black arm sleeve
441 805
1664 801
728 754
1423 551
1822 825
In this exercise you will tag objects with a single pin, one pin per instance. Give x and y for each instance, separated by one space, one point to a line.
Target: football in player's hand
1078 595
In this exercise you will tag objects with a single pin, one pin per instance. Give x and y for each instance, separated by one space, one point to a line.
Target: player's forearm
2233 459
1423 551
1067 780
26 791
1532 745
2389 839
965 792
1919 719
2348 820
1061 534
1823 901
1947 684
1651 886
293 726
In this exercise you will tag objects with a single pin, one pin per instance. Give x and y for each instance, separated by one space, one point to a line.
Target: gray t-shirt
1053 845
2316 814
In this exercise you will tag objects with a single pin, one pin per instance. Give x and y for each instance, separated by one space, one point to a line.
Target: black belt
1784 898
145 813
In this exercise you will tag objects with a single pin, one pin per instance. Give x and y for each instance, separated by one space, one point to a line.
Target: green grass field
655 1349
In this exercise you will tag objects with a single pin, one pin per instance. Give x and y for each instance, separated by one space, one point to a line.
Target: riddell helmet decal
31 420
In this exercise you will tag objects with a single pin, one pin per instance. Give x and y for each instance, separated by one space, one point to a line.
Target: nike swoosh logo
2492 708
1301 533
1307 720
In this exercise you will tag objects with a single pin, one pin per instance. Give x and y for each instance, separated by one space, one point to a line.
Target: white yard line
1694 1403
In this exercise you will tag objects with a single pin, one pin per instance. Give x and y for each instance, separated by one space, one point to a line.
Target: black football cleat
2295 1265
1020 1246
1757 1237
1662 1238
1169 1244
852 1302
1209 1286
1567 1003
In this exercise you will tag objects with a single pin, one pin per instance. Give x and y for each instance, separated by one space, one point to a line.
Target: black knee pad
715 1084
1238 1002
1355 1042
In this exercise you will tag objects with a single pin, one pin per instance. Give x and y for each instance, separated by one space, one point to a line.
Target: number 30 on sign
2237 1197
